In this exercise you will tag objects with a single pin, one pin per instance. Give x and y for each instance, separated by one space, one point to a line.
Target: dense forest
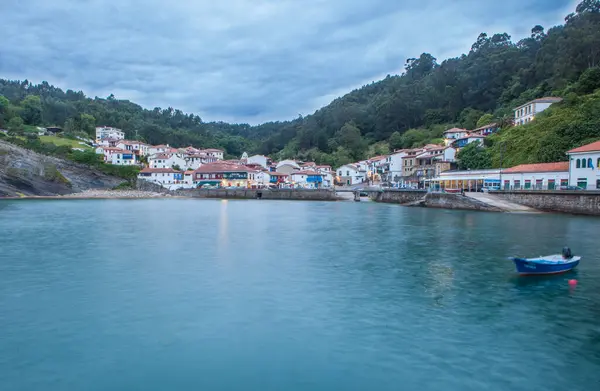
400 111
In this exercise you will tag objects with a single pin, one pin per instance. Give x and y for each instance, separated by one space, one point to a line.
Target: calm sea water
258 295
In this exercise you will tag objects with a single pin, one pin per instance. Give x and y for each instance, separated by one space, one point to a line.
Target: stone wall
576 202
432 200
396 196
275 194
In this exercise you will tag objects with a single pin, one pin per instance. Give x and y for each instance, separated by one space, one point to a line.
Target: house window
564 182
582 182
551 184
589 163
347 173
527 184
517 184
578 163
539 184
598 184
506 185
598 163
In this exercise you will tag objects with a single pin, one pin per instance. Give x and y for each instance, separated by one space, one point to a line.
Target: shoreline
98 194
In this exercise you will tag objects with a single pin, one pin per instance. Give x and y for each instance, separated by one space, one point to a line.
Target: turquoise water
258 295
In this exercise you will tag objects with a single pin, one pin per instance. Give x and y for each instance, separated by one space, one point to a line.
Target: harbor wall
398 196
574 202
264 194
433 200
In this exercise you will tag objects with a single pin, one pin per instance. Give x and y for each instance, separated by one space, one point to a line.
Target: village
432 166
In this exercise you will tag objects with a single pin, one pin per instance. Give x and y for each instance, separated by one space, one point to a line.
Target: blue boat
551 264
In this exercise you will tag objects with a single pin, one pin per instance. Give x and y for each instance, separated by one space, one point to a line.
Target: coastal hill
24 172
401 111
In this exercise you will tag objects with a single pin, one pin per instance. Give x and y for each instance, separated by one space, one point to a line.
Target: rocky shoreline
102 194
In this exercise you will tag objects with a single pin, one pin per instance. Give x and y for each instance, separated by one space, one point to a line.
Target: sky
247 61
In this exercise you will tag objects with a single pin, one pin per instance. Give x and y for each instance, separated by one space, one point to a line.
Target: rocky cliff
24 172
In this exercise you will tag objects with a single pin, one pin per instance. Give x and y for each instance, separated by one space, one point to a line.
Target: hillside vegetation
400 111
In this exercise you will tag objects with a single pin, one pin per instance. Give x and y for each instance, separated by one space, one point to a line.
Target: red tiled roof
538 167
211 150
161 146
161 156
378 158
455 130
492 125
159 170
115 150
221 167
312 173
593 147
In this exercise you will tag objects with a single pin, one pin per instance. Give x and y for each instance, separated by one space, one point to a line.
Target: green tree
31 110
350 138
87 124
485 120
396 141
70 126
474 157
468 118
15 126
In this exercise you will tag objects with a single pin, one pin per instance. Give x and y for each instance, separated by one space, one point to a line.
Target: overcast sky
244 60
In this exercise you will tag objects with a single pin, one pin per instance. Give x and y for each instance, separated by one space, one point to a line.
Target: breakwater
575 202
262 194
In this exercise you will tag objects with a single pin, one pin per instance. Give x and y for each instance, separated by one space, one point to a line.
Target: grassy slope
63 141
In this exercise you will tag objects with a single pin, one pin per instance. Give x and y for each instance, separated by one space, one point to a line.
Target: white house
116 156
466 140
212 152
536 176
351 174
154 149
258 177
166 160
103 132
166 177
140 148
287 166
584 166
395 166
454 134
259 159
307 179
526 113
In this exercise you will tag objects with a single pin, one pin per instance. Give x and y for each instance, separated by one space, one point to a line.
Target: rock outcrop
27 173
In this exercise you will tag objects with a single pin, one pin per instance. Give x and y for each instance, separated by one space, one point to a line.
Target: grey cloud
242 60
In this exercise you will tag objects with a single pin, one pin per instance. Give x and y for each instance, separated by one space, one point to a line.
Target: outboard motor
566 253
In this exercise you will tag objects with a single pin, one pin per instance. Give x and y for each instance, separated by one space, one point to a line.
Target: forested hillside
400 111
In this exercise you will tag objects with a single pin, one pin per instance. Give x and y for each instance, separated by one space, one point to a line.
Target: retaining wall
397 196
575 202
432 200
274 194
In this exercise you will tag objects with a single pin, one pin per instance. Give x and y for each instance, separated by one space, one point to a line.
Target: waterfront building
221 174
307 179
327 173
103 132
584 166
351 174
453 134
466 179
538 176
277 178
526 113
166 177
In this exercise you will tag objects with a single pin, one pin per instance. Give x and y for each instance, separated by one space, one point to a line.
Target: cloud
243 60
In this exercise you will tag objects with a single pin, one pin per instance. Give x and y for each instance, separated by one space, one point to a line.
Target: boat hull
527 267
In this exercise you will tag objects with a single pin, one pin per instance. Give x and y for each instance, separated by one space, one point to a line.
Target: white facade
136 146
395 172
259 159
103 132
454 134
166 177
584 170
526 113
211 152
123 158
534 180
350 174
154 149
258 177
166 161
301 179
